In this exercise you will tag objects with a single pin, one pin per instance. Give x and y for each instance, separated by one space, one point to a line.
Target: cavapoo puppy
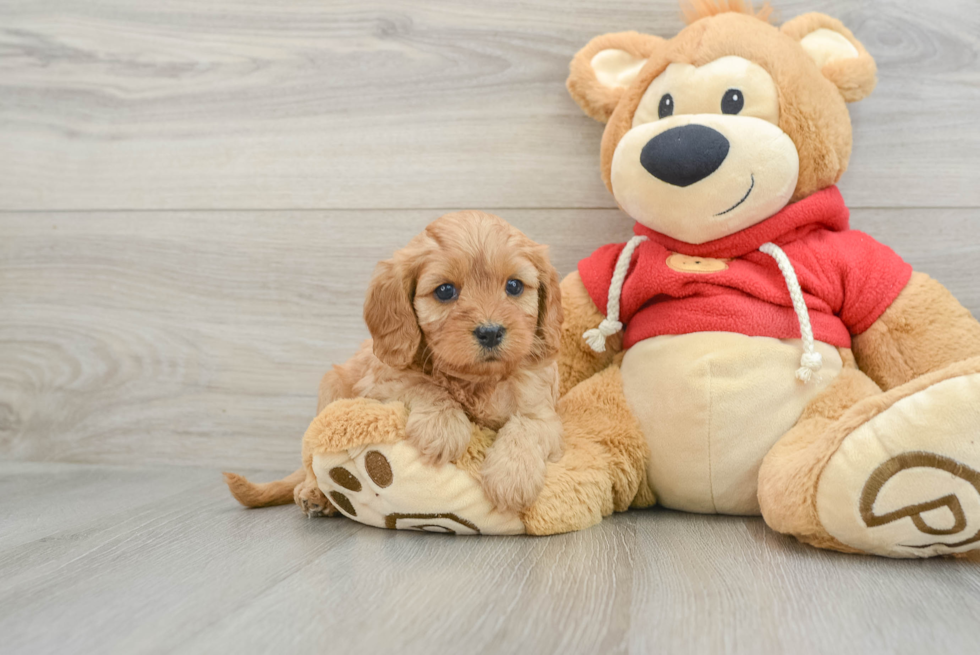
465 323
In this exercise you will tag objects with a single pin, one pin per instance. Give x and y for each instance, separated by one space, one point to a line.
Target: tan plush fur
789 474
854 78
811 100
603 469
925 337
812 112
695 10
425 353
925 329
342 424
348 423
791 471
578 361
596 100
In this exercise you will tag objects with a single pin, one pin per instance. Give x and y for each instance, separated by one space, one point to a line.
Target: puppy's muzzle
489 336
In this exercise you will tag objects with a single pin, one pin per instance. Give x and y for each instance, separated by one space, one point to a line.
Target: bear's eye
666 106
445 292
732 102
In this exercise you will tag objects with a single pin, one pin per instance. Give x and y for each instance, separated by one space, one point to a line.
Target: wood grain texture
773 594
199 337
192 198
395 104
181 568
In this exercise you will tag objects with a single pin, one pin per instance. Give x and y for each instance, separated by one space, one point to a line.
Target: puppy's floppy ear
839 56
550 315
604 68
390 316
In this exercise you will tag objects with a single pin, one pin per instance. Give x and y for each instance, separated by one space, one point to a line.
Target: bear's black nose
489 336
684 155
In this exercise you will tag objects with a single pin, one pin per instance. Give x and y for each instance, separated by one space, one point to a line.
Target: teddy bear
777 362
744 352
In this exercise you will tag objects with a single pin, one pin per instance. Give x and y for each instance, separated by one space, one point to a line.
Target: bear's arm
923 330
576 360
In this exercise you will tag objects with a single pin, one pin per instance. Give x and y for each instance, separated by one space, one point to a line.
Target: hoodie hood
824 210
800 274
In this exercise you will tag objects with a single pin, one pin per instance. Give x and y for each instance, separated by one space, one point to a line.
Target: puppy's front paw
553 441
312 501
512 476
440 436
556 451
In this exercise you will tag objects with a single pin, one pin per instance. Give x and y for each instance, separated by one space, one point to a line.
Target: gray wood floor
125 560
192 196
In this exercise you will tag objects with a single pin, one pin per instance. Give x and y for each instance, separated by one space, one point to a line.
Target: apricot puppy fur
465 323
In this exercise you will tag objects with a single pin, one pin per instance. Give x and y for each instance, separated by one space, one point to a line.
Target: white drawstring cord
596 337
811 362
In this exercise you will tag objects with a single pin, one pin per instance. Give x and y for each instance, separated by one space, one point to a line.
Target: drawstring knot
596 337
810 364
811 361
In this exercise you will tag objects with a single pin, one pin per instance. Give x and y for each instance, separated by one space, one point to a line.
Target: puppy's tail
266 494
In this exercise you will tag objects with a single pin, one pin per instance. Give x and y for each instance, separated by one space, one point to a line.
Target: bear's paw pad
388 486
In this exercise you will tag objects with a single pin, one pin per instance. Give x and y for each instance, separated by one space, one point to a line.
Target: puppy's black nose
489 336
684 155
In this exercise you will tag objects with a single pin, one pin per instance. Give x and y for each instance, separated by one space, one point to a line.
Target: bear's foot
360 464
389 486
906 482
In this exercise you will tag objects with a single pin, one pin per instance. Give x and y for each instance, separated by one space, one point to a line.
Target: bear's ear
839 56
603 69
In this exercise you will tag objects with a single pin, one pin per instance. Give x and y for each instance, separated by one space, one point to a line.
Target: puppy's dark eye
666 106
446 292
515 287
732 102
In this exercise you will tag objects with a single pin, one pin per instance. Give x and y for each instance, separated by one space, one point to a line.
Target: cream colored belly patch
711 405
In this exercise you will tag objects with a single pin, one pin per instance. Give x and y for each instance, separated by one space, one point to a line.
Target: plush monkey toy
745 352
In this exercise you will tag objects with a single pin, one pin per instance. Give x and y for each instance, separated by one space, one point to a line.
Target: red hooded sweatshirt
848 279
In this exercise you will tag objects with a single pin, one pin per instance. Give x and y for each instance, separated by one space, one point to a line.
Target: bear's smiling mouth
744 198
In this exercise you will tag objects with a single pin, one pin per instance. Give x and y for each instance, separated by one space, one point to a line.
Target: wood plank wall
193 194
